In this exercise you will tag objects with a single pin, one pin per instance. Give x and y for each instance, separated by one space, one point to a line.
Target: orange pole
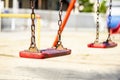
70 7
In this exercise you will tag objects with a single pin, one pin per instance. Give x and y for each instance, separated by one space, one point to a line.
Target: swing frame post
70 7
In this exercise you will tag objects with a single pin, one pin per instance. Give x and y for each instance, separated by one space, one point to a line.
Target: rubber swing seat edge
45 53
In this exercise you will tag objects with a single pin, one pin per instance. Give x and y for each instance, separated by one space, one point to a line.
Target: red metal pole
70 7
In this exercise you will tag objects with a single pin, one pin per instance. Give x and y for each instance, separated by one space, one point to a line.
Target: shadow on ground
64 74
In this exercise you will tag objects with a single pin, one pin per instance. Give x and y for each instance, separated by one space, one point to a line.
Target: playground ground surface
83 64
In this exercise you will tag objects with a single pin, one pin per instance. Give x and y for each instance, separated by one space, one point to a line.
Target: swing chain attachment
109 19
97 23
33 47
59 43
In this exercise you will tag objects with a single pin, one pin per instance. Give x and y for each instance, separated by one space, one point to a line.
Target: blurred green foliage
103 7
85 6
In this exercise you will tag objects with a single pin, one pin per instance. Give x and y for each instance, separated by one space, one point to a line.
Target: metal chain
97 23
59 43
32 47
109 20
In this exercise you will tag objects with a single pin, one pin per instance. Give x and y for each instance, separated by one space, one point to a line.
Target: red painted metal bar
115 30
70 7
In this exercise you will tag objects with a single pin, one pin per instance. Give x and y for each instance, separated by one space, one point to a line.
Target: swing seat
96 45
102 45
46 53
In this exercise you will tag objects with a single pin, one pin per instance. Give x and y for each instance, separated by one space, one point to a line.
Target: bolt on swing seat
108 43
57 49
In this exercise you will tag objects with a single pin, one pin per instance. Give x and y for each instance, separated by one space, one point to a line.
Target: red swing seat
50 52
46 53
102 45
106 44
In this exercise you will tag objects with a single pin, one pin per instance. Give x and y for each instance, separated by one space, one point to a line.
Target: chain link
109 20
59 43
32 47
97 23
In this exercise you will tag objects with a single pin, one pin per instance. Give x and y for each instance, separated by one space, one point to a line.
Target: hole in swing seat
45 53
102 45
